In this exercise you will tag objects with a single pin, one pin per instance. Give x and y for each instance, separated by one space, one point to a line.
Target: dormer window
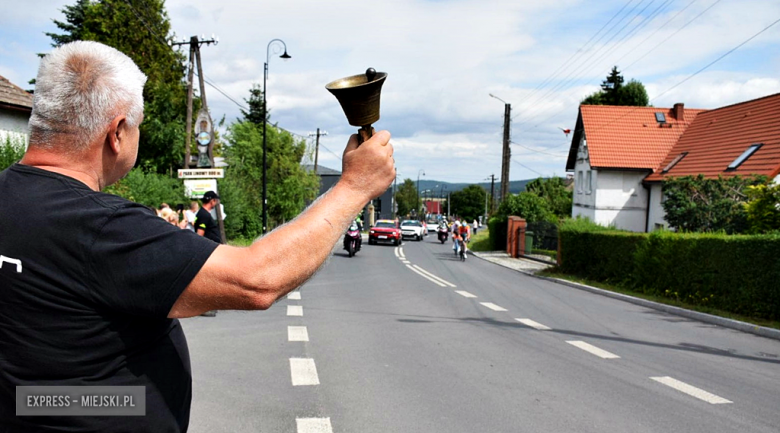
674 162
745 155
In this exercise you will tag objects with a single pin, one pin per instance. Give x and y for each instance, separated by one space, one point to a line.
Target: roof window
660 118
745 155
674 162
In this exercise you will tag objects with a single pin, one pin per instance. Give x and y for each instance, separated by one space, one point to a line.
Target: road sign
197 187
203 173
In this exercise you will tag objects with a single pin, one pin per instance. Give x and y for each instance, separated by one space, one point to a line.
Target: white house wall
621 200
583 202
14 124
656 216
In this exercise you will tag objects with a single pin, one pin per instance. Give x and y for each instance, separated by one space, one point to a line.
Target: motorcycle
443 232
352 239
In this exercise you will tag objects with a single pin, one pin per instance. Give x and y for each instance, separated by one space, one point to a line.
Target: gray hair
80 88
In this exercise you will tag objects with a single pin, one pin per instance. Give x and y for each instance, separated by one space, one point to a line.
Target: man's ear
116 134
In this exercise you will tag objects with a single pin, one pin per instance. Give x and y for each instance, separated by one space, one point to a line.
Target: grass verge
480 241
555 273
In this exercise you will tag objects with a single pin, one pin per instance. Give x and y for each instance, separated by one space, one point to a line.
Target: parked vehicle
352 239
412 229
384 231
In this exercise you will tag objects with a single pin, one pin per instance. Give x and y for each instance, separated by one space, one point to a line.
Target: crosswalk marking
691 390
297 333
593 350
493 306
294 310
532 324
465 294
313 425
303 372
295 296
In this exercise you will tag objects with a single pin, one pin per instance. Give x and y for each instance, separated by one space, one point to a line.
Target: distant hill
515 186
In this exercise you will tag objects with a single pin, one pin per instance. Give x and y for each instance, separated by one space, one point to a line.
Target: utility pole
492 193
194 44
317 146
506 153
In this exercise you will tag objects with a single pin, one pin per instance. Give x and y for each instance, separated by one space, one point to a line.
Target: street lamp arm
494 96
268 50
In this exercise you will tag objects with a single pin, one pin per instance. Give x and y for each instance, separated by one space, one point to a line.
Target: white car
412 229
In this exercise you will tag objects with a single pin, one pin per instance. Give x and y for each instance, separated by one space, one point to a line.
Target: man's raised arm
253 278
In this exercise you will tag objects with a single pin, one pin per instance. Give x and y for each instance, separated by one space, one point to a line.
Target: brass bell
359 98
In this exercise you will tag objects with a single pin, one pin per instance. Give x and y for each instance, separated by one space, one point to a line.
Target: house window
579 182
674 162
589 182
745 155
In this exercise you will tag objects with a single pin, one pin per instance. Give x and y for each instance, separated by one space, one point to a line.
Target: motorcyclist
356 224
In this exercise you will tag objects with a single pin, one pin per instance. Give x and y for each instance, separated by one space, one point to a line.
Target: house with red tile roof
620 155
613 149
15 108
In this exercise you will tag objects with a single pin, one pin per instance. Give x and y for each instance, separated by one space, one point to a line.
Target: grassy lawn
553 273
480 241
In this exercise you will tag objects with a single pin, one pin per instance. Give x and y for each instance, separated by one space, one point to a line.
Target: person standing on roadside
92 285
204 224
190 215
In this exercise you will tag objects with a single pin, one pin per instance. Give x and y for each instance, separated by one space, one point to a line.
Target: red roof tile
13 95
628 137
717 137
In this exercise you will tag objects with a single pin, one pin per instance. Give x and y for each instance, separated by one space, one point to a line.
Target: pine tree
255 102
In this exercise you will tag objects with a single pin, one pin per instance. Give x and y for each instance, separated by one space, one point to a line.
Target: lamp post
265 120
418 187
441 198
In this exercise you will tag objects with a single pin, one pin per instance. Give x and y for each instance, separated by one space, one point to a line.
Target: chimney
679 111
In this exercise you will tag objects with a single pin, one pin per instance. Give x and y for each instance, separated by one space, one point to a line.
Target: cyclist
464 233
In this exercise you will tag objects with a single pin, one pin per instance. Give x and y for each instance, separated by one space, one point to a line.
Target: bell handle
364 133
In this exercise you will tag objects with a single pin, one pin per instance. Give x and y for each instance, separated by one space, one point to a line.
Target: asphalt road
411 339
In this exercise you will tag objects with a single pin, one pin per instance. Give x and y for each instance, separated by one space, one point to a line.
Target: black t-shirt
86 285
204 221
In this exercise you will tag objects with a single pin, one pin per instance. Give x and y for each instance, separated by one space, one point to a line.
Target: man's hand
369 168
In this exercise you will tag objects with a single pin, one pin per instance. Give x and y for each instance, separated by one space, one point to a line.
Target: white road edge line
691 390
313 425
295 296
425 276
493 306
532 324
294 310
593 350
395 250
297 333
303 372
465 294
434 276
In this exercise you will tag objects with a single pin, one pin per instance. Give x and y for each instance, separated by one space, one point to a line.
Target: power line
536 150
527 167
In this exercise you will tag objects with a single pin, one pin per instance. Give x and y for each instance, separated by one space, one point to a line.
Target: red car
384 231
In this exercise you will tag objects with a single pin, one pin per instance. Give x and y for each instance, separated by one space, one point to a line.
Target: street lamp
284 56
418 187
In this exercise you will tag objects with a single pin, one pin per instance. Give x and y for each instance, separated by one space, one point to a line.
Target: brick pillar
515 236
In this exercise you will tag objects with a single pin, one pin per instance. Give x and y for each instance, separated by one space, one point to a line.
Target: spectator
475 226
104 280
204 223
190 215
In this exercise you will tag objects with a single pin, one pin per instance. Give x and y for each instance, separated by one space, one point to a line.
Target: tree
290 187
406 197
468 203
140 29
526 205
256 113
554 191
763 209
698 204
614 92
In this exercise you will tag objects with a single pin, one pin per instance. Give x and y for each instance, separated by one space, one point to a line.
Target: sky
444 58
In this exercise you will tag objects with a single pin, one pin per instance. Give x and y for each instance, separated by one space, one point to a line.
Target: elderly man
91 285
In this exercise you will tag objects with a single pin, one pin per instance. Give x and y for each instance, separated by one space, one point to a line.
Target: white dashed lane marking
532 324
401 252
303 372
442 280
294 310
314 425
691 390
593 350
295 296
465 294
297 333
493 306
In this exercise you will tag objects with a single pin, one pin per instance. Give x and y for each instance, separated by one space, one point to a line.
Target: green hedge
735 273
497 228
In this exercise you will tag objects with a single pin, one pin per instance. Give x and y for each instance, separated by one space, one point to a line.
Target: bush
150 189
735 273
11 150
497 228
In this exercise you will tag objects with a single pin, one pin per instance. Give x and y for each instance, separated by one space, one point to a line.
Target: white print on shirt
17 262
